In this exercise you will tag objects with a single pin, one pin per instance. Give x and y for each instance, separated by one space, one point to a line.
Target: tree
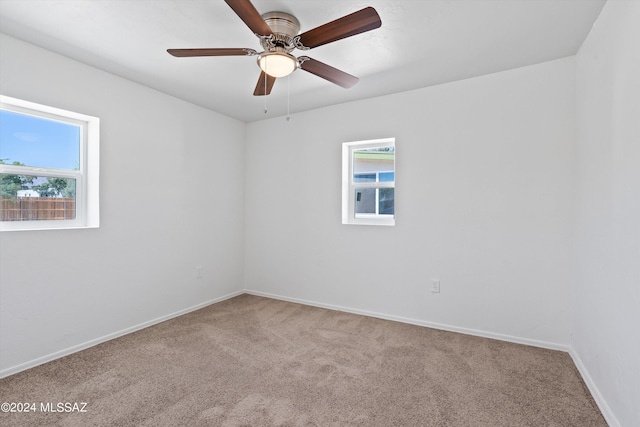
54 187
11 184
70 190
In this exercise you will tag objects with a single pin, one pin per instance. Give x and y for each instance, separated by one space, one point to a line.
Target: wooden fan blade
211 52
327 72
358 22
262 88
248 13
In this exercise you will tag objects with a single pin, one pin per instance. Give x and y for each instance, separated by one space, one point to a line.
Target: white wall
484 202
606 325
62 289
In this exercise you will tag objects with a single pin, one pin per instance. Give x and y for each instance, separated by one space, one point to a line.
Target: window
49 167
368 182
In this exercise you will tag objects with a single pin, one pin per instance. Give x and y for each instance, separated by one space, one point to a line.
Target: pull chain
288 96
265 86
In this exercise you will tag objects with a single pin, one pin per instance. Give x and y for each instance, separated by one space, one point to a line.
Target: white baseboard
607 413
67 351
475 332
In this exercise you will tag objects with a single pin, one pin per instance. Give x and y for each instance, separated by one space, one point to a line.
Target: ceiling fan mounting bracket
298 44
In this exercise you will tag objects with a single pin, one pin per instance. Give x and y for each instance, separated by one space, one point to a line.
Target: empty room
199 226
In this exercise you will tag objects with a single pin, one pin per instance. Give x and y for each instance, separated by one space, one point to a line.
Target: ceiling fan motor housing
285 28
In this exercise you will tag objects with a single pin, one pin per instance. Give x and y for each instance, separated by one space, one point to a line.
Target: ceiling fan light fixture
277 64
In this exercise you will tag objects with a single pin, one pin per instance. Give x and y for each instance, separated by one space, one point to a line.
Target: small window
49 160
368 182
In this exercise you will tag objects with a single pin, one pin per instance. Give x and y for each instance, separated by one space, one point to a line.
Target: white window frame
87 177
349 186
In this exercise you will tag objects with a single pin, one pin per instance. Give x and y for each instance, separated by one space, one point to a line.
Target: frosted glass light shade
277 64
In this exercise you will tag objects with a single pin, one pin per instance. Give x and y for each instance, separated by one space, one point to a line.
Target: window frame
349 185
87 176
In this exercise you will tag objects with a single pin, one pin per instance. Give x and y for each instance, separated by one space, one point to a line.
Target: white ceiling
420 43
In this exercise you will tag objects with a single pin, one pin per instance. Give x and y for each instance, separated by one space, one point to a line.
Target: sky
38 142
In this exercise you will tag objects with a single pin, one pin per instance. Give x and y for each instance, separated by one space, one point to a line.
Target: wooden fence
36 208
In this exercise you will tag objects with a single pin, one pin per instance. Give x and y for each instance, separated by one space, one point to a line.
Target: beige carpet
253 361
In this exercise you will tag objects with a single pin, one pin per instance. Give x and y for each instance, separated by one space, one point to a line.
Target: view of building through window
374 165
368 182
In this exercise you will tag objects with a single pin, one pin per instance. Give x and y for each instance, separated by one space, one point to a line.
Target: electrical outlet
435 286
198 272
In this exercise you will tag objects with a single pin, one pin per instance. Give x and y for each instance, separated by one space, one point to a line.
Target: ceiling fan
279 36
